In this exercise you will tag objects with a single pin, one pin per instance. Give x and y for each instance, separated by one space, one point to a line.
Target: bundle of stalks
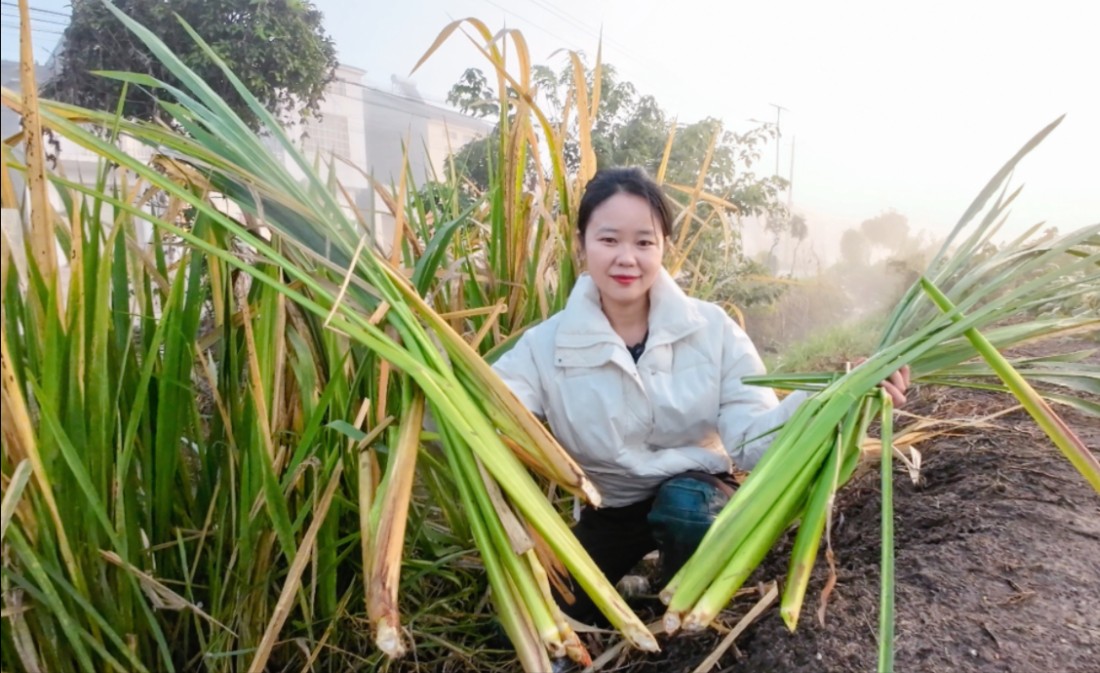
303 246
935 330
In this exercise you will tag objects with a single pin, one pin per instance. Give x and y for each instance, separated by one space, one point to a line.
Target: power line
33 30
40 11
535 24
592 32
569 43
646 64
35 20
564 17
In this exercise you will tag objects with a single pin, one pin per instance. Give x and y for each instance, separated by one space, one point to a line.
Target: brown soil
997 563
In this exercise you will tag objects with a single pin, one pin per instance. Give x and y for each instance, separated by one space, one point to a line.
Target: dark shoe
563 665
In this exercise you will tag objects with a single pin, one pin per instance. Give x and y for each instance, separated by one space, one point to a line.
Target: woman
642 385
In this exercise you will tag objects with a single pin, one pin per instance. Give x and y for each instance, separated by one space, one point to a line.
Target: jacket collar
672 316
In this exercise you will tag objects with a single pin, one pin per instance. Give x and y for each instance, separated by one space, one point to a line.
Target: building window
329 135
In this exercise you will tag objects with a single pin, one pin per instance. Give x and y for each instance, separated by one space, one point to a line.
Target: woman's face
623 248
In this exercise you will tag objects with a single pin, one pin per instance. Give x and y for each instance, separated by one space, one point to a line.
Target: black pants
617 538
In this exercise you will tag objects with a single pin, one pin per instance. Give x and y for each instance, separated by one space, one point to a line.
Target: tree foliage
631 129
471 95
889 230
277 47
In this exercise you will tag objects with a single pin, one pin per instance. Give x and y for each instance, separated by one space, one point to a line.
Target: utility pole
790 180
778 114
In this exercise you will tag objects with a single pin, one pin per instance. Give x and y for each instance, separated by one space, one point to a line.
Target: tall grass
187 424
234 462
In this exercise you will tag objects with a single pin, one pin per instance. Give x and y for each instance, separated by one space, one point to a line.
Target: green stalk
886 591
727 549
509 608
1052 424
523 582
802 442
571 643
811 422
749 555
809 535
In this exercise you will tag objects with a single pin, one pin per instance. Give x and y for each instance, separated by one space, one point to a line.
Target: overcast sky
911 106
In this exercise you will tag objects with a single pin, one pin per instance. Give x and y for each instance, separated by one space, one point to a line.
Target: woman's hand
896 384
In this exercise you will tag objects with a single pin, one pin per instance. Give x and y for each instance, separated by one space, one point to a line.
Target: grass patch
829 348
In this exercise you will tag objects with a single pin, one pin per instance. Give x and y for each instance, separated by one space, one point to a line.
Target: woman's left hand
896 384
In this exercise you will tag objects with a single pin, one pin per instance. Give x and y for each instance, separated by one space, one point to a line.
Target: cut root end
644 641
672 622
790 618
590 493
696 622
388 639
556 648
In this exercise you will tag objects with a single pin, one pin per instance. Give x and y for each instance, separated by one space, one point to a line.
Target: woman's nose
625 257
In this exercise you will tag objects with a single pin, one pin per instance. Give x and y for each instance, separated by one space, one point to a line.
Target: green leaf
347 429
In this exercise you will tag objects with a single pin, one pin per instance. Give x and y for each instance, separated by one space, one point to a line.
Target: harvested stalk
389 537
886 593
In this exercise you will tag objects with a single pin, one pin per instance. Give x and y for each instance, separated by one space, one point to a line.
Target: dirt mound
997 565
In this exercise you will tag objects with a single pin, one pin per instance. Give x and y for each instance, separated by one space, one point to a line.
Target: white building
362 132
399 121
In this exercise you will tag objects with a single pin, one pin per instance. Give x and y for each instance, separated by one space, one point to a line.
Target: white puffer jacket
683 407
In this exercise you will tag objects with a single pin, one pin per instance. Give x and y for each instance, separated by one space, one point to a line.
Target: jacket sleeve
747 414
518 369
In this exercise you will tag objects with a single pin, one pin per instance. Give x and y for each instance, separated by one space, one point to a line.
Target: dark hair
611 181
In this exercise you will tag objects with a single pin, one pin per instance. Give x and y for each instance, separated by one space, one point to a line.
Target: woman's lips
624 280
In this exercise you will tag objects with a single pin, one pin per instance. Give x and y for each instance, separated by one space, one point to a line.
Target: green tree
277 47
474 160
633 130
472 95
